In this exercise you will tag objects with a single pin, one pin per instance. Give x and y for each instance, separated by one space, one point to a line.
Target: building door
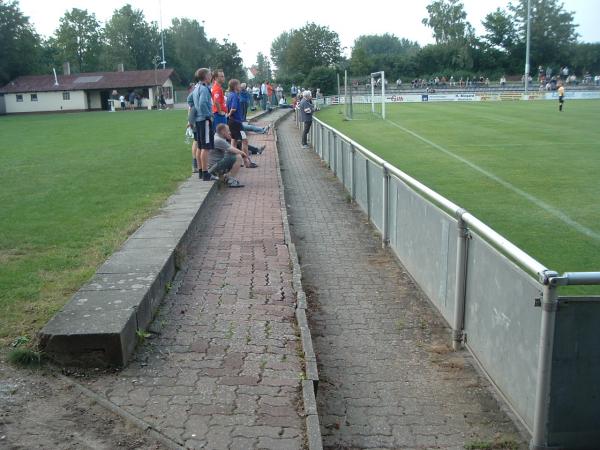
104 96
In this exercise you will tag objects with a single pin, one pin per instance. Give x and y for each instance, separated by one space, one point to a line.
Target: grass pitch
72 187
528 171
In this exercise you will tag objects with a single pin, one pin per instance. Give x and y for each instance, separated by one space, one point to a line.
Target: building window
167 92
66 96
34 97
19 97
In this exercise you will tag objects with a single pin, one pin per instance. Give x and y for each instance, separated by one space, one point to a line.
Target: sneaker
207 176
305 146
233 183
252 166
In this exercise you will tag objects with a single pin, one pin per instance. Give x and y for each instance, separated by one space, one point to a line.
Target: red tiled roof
94 80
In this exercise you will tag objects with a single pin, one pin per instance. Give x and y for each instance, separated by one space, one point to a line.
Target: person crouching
224 159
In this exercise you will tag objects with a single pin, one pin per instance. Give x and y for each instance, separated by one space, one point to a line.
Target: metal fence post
460 296
352 173
539 438
386 204
335 142
342 148
368 190
321 139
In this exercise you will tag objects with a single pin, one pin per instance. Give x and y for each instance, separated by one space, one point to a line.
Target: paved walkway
387 378
222 369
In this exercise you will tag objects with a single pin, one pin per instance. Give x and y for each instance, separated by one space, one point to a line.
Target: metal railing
501 303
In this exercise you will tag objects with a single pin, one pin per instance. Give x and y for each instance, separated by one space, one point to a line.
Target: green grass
72 188
551 156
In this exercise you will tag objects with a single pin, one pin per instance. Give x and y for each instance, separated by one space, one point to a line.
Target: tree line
313 53
309 56
127 38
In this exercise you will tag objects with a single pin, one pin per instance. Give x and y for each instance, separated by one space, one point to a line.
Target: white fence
501 303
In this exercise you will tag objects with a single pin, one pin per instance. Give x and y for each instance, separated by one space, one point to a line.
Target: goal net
364 97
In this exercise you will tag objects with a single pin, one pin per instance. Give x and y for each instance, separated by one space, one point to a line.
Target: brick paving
221 368
387 378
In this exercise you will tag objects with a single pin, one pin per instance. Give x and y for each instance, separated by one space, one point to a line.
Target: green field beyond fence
528 171
72 187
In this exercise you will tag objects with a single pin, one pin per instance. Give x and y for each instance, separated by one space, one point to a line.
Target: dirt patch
38 410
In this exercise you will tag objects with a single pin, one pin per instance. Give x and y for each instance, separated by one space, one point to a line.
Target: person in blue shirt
236 119
244 100
202 100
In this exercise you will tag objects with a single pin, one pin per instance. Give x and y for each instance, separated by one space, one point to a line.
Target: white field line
536 201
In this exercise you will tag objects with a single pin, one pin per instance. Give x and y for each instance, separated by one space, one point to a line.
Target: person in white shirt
255 97
122 100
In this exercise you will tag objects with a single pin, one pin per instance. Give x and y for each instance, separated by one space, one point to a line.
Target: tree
78 39
262 68
226 56
447 19
187 47
324 78
552 31
131 40
279 49
308 47
500 30
383 52
21 45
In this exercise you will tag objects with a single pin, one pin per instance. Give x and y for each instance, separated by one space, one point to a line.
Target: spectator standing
218 98
255 97
202 100
279 92
122 100
192 125
132 100
244 100
263 95
306 115
270 95
294 91
235 119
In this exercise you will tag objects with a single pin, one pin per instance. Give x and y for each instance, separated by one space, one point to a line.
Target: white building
85 91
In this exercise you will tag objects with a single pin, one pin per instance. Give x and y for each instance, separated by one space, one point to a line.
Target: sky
266 20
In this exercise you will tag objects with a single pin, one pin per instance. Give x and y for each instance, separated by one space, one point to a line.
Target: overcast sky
256 24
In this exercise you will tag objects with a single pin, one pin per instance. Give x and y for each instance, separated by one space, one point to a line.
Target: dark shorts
294 95
224 165
219 119
561 99
122 104
236 130
205 134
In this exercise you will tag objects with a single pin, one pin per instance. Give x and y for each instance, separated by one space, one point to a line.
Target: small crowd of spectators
218 121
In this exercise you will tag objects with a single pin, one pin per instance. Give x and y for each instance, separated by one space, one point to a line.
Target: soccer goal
364 97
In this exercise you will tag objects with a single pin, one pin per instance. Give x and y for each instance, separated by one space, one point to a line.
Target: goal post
378 93
364 96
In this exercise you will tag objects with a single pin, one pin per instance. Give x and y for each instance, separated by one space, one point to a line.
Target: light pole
528 45
162 35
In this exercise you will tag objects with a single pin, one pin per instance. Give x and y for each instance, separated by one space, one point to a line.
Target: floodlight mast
162 35
527 68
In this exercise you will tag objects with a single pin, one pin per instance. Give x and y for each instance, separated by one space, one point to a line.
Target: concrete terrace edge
99 326
310 384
